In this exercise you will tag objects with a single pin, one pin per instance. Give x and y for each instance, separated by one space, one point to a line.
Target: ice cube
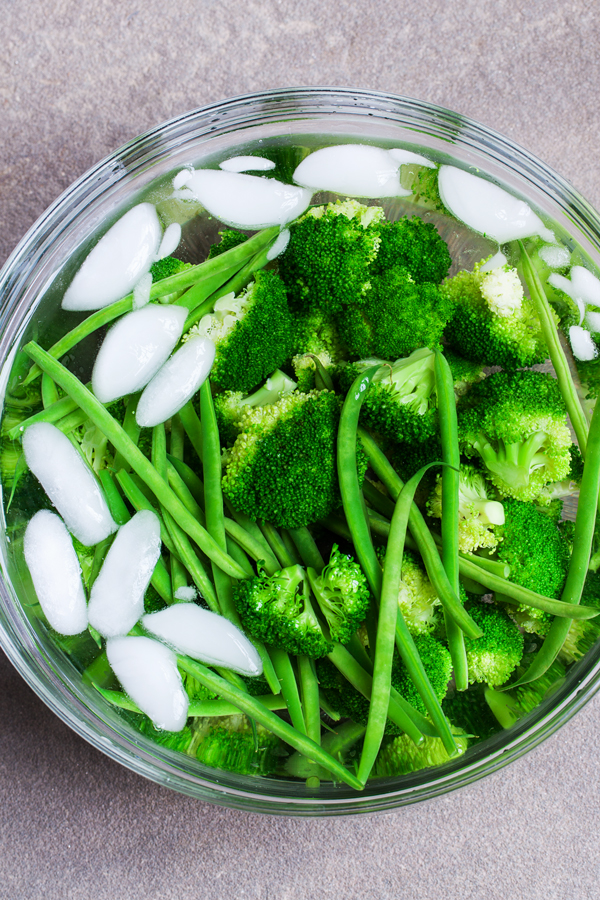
148 672
55 573
117 598
206 636
176 382
135 349
69 482
355 170
117 262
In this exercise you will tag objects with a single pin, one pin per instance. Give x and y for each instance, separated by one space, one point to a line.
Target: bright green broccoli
253 333
423 182
516 423
465 372
478 513
342 594
401 755
538 556
229 239
232 744
469 711
278 609
166 267
493 322
396 317
230 405
417 599
415 245
171 740
494 656
327 261
282 467
437 663
510 706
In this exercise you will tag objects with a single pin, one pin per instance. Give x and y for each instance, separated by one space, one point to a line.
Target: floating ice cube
206 636
280 244
134 350
117 262
55 572
117 598
355 170
148 672
69 482
582 285
582 344
170 241
555 257
247 201
487 208
496 262
247 164
141 291
176 382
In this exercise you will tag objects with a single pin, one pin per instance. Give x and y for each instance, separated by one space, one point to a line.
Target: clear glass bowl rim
20 278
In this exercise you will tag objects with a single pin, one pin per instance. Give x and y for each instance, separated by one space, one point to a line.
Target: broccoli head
493 322
437 663
230 405
253 333
402 756
516 423
326 262
229 239
494 656
417 599
172 740
415 245
342 594
230 743
395 317
478 514
166 267
282 467
277 610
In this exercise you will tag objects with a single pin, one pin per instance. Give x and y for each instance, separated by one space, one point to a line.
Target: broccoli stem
49 392
557 354
256 710
218 269
422 536
583 536
307 548
136 459
337 743
450 510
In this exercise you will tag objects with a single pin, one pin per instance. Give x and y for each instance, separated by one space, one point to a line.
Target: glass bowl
44 261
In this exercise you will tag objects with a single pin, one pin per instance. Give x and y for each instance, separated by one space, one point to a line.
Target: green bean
136 459
182 491
116 504
159 450
49 392
224 264
487 578
557 354
71 422
239 554
307 548
450 498
187 555
276 544
177 438
252 528
420 532
189 477
289 686
191 424
585 522
249 705
52 414
254 549
131 429
391 625
100 551
363 682
197 708
309 687
337 743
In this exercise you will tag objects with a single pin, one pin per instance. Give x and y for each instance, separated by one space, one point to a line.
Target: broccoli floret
465 372
417 599
400 403
538 556
423 182
172 740
166 267
494 656
229 239
401 755
282 467
469 711
230 405
396 317
516 422
510 706
196 691
493 322
258 686
417 246
277 609
229 743
316 332
253 333
326 263
478 514
342 594
437 663
582 636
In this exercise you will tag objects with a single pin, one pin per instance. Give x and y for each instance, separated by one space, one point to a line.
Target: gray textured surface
76 81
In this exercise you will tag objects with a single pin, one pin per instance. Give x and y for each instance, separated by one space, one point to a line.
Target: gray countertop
77 80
